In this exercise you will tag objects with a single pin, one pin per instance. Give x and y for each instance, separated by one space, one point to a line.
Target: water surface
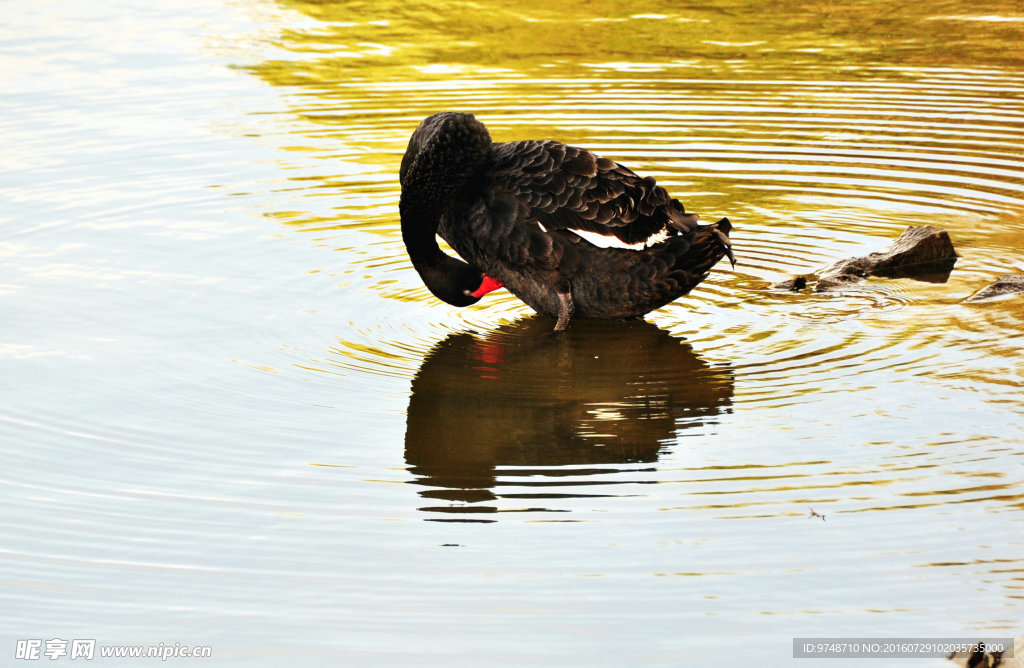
232 415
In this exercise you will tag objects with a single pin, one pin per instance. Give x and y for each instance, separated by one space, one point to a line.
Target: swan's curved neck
449 279
419 233
445 154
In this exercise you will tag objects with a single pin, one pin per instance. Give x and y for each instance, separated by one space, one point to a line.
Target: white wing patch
611 241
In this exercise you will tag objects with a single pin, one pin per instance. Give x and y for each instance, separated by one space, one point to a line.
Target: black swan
570 233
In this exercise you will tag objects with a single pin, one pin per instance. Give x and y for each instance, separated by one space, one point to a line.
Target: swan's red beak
486 285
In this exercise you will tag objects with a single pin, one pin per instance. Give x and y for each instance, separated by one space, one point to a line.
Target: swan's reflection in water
551 412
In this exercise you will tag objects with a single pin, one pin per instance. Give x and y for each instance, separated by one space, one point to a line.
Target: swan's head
444 154
456 282
445 150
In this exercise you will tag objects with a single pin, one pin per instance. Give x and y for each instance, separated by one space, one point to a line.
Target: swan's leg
566 308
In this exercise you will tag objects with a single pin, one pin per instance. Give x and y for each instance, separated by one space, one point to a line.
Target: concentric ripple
809 171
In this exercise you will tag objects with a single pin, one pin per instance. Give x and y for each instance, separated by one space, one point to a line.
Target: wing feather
564 187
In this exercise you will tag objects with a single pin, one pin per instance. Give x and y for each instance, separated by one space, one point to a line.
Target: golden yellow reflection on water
820 130
463 38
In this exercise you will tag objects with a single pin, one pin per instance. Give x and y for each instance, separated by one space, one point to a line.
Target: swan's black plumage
519 212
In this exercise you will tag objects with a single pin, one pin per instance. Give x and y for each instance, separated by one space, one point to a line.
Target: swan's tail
707 245
721 232
693 256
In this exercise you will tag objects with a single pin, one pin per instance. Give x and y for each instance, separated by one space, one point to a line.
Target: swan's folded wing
565 187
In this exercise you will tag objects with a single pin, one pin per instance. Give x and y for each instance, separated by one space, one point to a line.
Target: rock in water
1010 284
924 253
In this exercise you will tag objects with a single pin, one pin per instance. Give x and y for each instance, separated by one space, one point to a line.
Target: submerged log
1009 284
923 253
